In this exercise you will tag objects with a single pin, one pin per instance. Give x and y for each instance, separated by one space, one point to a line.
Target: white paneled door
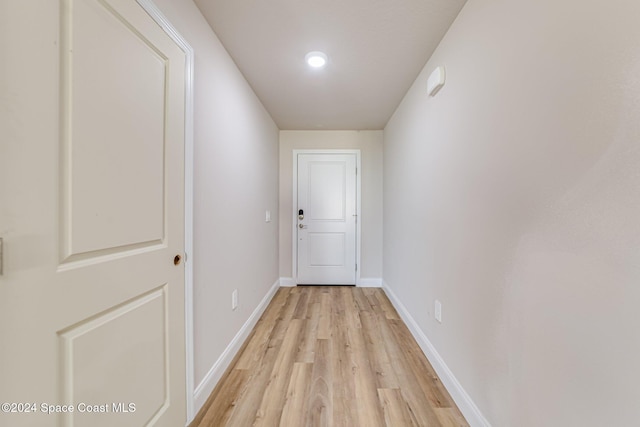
326 219
91 216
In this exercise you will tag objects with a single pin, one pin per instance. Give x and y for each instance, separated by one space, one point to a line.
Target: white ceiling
376 49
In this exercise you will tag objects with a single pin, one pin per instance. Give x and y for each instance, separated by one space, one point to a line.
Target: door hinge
356 267
1 256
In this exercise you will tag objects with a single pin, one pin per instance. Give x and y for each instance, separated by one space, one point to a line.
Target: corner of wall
370 282
287 282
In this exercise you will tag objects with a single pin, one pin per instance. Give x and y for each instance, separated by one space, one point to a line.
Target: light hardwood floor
330 356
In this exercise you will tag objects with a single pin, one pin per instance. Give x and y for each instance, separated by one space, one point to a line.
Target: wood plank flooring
330 356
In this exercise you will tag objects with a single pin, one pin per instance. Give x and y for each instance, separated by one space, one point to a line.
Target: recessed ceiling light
316 59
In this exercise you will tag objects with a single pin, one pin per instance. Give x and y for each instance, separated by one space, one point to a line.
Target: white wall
236 180
513 196
370 145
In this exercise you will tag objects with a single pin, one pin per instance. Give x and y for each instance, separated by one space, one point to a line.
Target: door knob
177 259
302 226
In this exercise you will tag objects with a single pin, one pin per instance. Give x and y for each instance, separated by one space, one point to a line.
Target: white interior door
326 227
91 216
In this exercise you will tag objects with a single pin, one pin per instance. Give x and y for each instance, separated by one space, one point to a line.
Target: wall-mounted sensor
435 81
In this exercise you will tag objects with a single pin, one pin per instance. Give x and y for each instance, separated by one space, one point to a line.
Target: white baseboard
466 405
370 282
206 386
287 282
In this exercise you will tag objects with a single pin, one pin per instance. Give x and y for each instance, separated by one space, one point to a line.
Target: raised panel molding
113 151
118 337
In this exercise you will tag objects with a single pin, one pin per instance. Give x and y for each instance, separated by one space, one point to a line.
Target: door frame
154 12
294 207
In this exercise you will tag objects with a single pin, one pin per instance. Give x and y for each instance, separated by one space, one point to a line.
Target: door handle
302 226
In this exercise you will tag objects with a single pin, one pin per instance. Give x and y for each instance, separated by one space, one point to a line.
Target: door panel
326 249
326 236
91 303
131 368
326 191
115 147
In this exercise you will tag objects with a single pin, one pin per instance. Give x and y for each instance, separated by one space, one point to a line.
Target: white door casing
92 215
326 237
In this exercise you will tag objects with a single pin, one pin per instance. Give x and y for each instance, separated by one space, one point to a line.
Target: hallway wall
513 197
236 180
370 145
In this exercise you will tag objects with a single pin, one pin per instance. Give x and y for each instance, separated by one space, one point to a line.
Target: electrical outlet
438 311
267 216
234 299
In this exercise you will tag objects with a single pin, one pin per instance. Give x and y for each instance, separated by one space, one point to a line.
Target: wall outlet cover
234 299
438 311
